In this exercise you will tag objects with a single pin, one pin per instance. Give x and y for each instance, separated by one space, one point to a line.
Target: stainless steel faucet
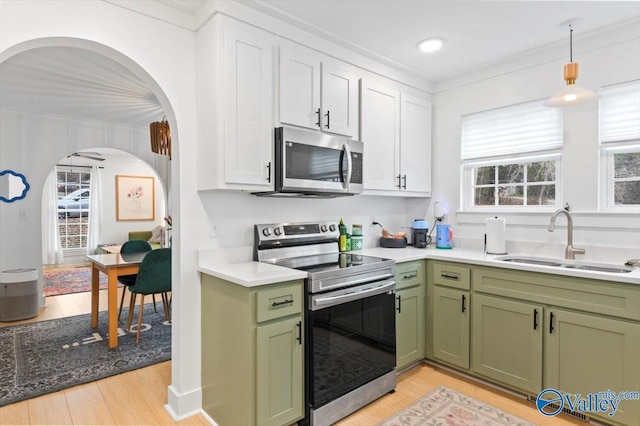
570 252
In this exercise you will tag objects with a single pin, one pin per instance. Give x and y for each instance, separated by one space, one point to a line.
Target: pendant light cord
570 43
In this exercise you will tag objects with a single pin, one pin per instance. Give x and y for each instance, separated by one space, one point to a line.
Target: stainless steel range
350 347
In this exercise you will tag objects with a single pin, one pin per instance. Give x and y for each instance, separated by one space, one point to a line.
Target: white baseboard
182 406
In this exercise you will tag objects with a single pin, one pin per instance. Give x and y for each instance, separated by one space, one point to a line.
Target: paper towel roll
496 236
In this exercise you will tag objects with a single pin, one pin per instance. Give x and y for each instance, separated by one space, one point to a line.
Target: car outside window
73 206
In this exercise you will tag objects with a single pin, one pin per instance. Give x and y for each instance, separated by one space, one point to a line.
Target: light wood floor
138 397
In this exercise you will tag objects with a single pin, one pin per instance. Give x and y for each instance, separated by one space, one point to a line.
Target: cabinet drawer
450 275
279 301
409 274
594 296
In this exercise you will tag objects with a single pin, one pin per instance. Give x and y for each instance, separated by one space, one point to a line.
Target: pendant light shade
571 94
160 137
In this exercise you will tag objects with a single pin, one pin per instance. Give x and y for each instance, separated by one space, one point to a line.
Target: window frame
618 133
63 222
468 183
607 176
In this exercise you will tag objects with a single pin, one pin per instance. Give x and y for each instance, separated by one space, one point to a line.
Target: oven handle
382 287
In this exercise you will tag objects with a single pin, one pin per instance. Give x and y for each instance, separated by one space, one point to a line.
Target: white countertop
252 274
477 257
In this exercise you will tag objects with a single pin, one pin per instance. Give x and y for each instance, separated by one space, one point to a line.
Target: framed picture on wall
135 198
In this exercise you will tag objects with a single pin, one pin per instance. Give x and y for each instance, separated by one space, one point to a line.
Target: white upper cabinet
317 94
339 101
235 106
396 133
380 136
299 89
415 144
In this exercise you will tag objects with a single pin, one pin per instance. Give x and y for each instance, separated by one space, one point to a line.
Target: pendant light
160 134
572 94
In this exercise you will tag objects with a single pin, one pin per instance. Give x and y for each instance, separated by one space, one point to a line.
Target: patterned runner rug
47 356
72 280
444 406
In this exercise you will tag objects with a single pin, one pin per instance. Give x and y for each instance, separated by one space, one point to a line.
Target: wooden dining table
112 265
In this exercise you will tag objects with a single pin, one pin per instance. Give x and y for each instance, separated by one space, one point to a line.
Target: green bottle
342 241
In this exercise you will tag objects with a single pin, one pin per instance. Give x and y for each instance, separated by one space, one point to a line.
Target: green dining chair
153 277
131 247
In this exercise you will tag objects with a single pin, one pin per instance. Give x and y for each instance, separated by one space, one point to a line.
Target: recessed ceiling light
430 44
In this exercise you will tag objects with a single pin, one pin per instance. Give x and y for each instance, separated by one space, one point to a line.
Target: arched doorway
48 153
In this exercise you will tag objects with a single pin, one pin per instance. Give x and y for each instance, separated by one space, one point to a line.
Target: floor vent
566 411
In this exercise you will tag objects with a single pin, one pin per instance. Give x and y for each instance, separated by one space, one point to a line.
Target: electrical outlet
213 230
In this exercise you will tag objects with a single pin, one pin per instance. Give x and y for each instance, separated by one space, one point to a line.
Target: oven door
351 339
314 162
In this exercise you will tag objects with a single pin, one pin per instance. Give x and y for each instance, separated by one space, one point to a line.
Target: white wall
235 213
605 58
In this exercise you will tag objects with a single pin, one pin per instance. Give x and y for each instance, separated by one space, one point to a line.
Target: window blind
620 112
513 130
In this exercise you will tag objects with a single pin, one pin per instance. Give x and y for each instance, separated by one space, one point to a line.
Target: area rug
444 406
73 280
44 357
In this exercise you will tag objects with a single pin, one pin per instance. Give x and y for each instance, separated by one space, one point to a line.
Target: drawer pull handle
450 277
535 319
551 323
299 338
408 277
284 302
399 304
463 304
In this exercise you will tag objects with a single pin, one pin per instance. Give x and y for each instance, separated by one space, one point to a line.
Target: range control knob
266 232
332 228
323 228
277 231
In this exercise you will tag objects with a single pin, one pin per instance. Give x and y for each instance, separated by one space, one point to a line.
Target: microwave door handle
347 152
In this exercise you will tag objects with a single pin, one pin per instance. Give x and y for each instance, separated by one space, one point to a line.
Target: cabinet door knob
399 186
318 113
328 115
399 304
551 323
404 182
299 338
269 172
464 298
535 319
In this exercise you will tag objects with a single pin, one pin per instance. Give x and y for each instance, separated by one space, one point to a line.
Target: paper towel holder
485 244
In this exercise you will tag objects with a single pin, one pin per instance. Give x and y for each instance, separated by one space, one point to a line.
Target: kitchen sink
532 261
569 264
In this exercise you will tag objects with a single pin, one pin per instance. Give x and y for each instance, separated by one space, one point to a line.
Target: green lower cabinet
586 354
507 342
410 325
451 326
279 378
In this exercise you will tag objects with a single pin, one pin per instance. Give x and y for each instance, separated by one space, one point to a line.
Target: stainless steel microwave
314 164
